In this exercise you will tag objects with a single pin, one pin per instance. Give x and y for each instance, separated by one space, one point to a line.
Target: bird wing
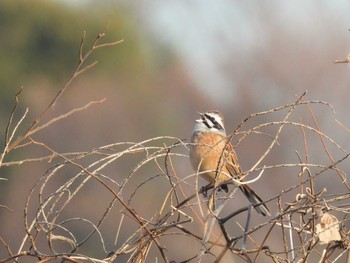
232 164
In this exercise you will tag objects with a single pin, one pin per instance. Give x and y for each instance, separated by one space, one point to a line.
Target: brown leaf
328 229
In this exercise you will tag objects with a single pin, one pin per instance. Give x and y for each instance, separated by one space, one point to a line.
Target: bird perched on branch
214 157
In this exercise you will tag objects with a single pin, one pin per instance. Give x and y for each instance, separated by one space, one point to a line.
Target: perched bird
211 146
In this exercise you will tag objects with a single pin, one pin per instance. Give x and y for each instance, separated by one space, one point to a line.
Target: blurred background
177 58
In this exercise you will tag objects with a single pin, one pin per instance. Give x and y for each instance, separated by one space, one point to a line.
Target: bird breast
206 151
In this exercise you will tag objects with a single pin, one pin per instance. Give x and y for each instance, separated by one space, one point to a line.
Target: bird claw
204 191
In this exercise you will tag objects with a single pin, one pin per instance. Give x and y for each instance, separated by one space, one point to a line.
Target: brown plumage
210 146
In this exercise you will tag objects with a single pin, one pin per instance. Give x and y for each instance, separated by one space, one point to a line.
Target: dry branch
178 215
213 226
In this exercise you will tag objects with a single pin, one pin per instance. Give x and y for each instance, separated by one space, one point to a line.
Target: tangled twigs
168 220
135 203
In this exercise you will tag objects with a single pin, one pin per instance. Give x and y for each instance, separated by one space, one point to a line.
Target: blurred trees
40 40
39 49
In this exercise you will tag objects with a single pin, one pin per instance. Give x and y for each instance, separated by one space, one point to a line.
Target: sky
217 40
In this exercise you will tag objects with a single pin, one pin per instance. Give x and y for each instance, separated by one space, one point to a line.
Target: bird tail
255 200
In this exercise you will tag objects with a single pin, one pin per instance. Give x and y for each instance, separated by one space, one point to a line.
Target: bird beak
201 119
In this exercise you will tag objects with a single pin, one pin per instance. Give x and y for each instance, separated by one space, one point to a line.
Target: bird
213 156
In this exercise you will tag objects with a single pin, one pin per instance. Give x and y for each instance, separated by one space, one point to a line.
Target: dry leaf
328 229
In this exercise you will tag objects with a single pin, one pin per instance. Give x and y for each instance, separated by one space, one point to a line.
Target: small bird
211 146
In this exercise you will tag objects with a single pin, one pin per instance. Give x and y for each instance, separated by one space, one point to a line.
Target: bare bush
309 222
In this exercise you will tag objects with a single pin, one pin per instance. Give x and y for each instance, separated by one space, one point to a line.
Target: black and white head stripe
213 120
